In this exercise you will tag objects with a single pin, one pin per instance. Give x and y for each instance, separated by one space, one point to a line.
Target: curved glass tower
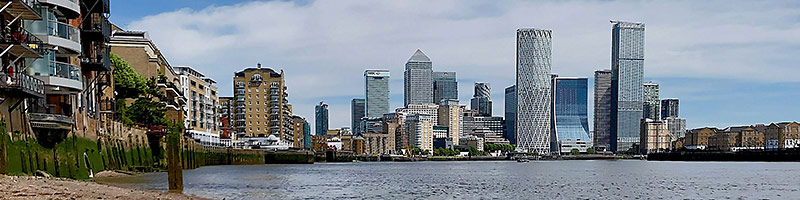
572 118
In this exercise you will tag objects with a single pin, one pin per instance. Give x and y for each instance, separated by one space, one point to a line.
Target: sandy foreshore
32 187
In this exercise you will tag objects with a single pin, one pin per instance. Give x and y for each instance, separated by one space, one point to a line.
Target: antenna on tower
259 65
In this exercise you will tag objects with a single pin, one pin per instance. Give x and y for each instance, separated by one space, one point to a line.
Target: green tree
590 151
426 152
127 83
416 151
575 151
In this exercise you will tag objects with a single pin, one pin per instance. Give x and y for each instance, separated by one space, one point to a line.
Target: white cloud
324 46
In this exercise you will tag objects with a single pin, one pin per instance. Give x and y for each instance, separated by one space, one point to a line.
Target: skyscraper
602 108
533 90
481 100
669 108
356 113
376 92
511 114
627 66
321 119
418 80
571 111
445 86
652 104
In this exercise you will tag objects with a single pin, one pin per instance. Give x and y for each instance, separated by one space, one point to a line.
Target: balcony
96 56
22 8
19 43
51 121
96 28
57 33
69 8
21 84
60 74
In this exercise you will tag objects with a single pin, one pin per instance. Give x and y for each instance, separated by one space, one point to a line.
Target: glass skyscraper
652 104
321 119
376 92
445 86
669 108
627 66
571 109
602 108
481 100
356 113
533 126
418 80
511 114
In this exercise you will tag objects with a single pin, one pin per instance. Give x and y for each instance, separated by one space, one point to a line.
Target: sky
729 62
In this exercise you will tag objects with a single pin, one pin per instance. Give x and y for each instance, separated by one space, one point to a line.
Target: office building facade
571 109
321 119
669 108
418 80
533 124
445 86
511 114
652 103
376 92
627 65
481 100
357 112
602 109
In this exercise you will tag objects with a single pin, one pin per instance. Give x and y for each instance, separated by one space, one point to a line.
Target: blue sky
730 62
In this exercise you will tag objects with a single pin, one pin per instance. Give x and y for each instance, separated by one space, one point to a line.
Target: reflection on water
471 180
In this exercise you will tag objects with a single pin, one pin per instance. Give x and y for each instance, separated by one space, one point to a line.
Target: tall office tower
377 92
445 86
321 119
602 109
262 104
627 66
418 80
450 115
356 113
669 108
553 137
481 100
511 114
652 104
571 113
533 90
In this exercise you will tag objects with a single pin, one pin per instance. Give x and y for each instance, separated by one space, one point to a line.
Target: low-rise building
378 143
655 137
784 135
698 138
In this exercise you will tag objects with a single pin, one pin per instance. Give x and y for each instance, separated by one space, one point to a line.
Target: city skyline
693 83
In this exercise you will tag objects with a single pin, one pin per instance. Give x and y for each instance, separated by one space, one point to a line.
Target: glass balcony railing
63 30
65 70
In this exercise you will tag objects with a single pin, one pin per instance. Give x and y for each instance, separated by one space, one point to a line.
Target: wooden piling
175 168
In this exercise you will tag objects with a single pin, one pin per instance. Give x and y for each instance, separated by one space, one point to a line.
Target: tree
591 151
127 83
575 151
426 152
416 151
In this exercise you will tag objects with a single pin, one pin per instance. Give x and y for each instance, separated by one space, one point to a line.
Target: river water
625 179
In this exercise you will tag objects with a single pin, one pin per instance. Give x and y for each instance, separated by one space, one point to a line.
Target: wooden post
175 168
3 165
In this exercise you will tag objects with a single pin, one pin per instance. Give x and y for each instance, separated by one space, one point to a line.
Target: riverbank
33 187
